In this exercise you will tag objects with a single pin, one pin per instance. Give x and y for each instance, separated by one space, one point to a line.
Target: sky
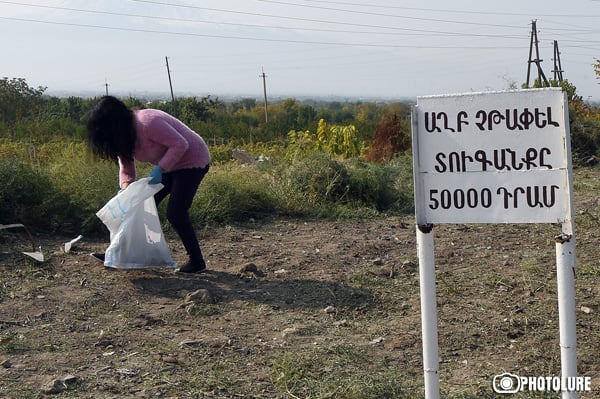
349 49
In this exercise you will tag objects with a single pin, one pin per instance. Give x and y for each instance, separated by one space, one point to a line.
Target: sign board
494 157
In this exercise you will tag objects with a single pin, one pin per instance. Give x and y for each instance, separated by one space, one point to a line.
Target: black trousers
182 186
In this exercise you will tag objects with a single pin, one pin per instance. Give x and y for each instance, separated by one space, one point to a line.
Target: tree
337 140
391 137
18 100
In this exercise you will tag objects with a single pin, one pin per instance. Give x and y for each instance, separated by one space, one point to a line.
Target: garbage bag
136 237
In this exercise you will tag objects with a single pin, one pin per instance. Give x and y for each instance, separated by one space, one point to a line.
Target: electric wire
332 43
164 3
440 10
403 30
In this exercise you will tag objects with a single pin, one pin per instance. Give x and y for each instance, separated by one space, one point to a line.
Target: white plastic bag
136 237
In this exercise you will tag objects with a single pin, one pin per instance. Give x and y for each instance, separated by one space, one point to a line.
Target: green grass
334 373
59 186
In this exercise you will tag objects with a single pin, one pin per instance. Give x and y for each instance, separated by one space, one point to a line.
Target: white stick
565 276
428 311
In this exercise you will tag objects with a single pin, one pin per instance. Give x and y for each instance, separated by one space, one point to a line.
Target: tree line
27 113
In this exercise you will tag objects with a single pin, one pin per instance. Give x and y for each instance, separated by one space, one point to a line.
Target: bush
59 186
392 136
315 178
29 197
88 182
231 193
375 186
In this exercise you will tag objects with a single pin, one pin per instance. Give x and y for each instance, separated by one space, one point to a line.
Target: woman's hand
156 175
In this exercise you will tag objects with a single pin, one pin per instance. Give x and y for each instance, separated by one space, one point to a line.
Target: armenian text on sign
497 157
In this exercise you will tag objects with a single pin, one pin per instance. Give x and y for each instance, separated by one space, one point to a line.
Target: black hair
111 129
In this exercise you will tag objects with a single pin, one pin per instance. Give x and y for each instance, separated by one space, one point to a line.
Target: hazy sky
347 48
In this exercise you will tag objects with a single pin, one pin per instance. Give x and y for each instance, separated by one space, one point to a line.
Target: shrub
374 186
336 140
29 197
392 136
231 193
59 186
88 182
316 178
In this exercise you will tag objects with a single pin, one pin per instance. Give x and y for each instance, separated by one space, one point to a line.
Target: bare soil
289 306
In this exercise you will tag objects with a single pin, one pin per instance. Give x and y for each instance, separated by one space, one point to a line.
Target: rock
330 309
251 268
586 309
170 359
290 331
190 342
385 271
198 296
104 342
295 331
377 341
53 386
70 379
244 351
5 363
340 323
409 266
243 157
127 372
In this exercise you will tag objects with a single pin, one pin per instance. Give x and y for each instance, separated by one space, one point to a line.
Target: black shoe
98 256
192 267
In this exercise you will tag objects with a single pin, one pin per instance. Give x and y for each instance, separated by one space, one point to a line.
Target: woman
180 155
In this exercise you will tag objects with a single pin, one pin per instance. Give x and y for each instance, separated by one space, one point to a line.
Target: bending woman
180 155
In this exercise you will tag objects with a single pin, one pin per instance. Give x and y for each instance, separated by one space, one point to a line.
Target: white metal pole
428 311
565 273
565 276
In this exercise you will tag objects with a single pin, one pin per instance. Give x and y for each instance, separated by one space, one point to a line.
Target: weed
331 374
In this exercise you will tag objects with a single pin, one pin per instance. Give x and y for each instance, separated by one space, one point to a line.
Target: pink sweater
164 140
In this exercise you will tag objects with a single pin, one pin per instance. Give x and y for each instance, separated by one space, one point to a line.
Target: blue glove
156 175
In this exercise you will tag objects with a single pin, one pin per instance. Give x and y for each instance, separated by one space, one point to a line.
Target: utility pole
557 67
106 86
264 78
170 84
534 41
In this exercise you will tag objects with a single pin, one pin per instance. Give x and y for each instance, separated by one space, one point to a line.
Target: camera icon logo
506 383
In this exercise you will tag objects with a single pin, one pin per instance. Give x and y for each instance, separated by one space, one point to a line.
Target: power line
375 45
391 16
403 30
316 20
170 4
420 31
444 10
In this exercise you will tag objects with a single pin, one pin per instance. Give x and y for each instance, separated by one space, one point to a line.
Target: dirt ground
287 306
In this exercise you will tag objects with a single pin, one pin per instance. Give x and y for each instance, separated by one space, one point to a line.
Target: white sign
495 157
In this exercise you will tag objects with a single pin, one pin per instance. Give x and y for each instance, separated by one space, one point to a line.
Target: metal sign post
428 310
494 157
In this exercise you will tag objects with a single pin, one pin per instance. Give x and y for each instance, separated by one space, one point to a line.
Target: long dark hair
111 129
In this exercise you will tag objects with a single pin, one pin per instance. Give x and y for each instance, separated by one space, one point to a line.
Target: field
294 308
